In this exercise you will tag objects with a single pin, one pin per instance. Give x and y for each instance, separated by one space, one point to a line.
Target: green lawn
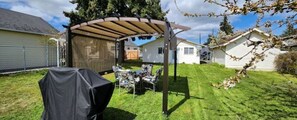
264 95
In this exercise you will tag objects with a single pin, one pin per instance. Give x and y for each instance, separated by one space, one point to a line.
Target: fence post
46 54
24 53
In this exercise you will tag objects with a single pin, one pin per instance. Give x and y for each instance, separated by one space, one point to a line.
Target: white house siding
189 59
150 53
131 48
239 48
218 56
12 55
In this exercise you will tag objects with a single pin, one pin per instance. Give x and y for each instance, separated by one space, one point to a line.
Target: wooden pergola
116 29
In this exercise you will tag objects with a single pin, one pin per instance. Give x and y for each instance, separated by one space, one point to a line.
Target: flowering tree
260 8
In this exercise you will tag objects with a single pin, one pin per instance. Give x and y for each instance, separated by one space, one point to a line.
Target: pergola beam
159 28
107 36
124 27
151 27
109 29
79 34
137 26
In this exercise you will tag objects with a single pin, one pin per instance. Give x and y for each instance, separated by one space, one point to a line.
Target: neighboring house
131 50
187 52
129 45
290 45
24 41
237 46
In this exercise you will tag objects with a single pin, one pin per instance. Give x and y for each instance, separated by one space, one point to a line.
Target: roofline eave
20 31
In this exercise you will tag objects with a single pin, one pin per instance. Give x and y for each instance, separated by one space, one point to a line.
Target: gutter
20 31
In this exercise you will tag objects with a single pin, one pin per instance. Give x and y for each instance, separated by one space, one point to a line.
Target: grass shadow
128 64
111 113
136 63
180 87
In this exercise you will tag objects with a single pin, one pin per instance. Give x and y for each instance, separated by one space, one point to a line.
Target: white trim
184 40
12 30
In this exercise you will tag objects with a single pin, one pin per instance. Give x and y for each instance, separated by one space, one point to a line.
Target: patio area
264 95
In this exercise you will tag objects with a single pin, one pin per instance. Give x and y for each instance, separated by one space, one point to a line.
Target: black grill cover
74 94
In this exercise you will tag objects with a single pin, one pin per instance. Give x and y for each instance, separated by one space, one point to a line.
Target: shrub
286 63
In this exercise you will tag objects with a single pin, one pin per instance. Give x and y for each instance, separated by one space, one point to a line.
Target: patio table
138 78
139 72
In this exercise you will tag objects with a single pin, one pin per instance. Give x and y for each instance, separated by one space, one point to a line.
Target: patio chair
116 70
147 69
153 79
127 80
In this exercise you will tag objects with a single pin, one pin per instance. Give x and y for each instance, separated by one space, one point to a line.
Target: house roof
184 40
181 39
20 22
290 43
230 39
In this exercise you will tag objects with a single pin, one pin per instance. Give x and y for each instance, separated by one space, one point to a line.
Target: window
128 48
160 50
188 50
134 48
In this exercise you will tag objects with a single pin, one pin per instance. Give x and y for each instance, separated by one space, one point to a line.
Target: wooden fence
132 54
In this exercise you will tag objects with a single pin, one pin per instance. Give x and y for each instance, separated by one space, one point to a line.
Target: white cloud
9 0
32 11
203 25
49 10
52 7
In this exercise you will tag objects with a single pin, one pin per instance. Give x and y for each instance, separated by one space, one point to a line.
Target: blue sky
52 12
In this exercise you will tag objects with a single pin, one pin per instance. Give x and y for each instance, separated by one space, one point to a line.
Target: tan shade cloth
114 28
95 54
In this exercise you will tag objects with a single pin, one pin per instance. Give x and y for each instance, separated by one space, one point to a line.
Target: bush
286 63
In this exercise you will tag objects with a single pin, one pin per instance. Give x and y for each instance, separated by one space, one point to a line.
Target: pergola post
173 47
116 53
69 47
175 63
121 55
165 74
